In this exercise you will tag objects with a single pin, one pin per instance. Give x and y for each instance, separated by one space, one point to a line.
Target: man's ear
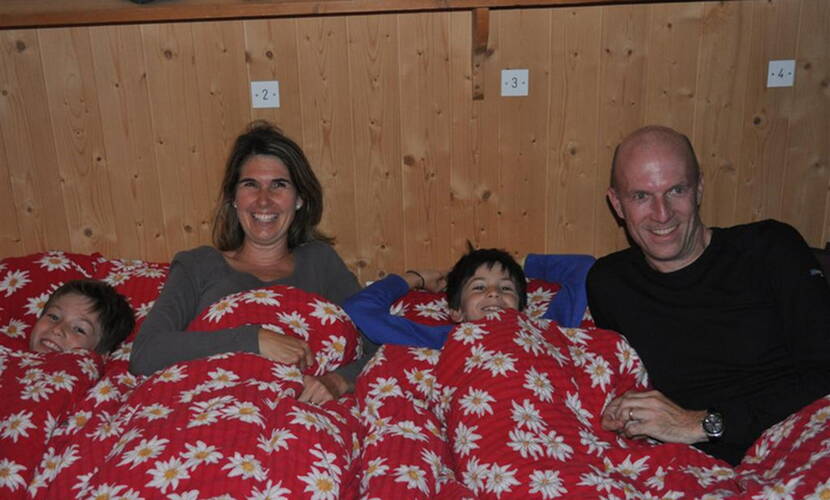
615 202
456 316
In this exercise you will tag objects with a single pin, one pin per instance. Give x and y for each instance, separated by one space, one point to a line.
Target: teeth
662 232
265 217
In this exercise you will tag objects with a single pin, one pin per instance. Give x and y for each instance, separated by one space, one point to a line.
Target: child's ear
457 316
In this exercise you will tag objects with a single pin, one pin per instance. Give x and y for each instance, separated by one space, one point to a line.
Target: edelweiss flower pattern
37 391
330 333
431 308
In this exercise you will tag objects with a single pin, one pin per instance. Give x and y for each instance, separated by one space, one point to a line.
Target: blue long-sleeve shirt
369 308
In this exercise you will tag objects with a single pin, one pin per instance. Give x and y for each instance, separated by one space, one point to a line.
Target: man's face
658 198
488 291
68 323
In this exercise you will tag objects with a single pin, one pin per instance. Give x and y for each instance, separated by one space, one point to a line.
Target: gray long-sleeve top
201 276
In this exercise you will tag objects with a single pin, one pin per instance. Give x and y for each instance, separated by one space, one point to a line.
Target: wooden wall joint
481 35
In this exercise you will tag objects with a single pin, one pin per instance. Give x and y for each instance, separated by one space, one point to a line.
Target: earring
298 205
234 205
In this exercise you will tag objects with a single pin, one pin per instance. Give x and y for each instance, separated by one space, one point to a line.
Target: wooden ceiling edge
129 13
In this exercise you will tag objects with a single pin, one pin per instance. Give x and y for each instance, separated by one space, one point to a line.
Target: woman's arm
162 339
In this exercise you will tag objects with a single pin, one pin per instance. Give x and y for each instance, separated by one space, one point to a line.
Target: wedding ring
630 416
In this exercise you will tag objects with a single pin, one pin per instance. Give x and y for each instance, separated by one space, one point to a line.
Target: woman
265 233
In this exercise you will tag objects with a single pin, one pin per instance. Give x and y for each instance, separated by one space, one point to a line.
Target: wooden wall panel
375 93
425 139
121 81
113 139
29 144
76 123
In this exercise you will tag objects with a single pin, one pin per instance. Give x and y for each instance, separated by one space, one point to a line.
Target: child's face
489 290
68 323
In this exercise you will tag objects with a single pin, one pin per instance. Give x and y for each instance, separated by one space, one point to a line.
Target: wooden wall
113 137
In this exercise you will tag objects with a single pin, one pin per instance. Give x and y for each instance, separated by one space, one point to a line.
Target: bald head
652 138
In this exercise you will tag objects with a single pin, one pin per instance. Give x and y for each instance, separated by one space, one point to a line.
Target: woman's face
266 200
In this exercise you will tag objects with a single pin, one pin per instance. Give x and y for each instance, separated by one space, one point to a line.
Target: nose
58 330
662 209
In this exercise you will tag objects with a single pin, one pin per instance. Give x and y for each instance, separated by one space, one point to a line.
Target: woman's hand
431 280
326 388
284 349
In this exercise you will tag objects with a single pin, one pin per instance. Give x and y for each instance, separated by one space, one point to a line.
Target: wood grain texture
113 138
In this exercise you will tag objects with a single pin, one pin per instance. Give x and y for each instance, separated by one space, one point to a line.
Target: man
733 324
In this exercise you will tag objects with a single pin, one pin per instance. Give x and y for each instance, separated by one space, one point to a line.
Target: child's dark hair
466 267
114 312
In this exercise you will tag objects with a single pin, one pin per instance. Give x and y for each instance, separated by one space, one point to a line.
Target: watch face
713 425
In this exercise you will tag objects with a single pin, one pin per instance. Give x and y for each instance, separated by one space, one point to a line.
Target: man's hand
651 414
284 349
326 388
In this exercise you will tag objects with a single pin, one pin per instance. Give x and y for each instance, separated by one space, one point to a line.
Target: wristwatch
713 425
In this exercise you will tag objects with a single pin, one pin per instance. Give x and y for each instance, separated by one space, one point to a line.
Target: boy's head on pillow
485 281
82 314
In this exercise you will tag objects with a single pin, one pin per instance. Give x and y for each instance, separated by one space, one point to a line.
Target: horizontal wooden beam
43 13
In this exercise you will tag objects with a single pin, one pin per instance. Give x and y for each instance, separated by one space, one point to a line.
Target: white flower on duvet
474 475
144 451
220 308
626 355
574 404
244 411
780 490
436 309
51 463
477 358
413 477
546 483
118 276
529 342
579 355
628 469
385 387
221 378
526 415
821 492
593 442
423 379
500 479
54 261
307 419
150 272
657 480
172 374
10 475
375 468
16 425
199 454
335 345
465 439
108 426
278 440
123 441
431 356
119 491
273 328
469 333
408 430
77 421
155 411
246 466
325 311
321 484
325 459
37 391
398 309
15 329
500 364
271 491
142 310
295 322
287 373
525 443
818 422
35 305
600 371
260 296
477 402
88 368
167 474
576 335
14 281
539 383
61 380
555 445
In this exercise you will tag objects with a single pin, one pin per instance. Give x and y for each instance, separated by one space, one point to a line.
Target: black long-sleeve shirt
744 329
